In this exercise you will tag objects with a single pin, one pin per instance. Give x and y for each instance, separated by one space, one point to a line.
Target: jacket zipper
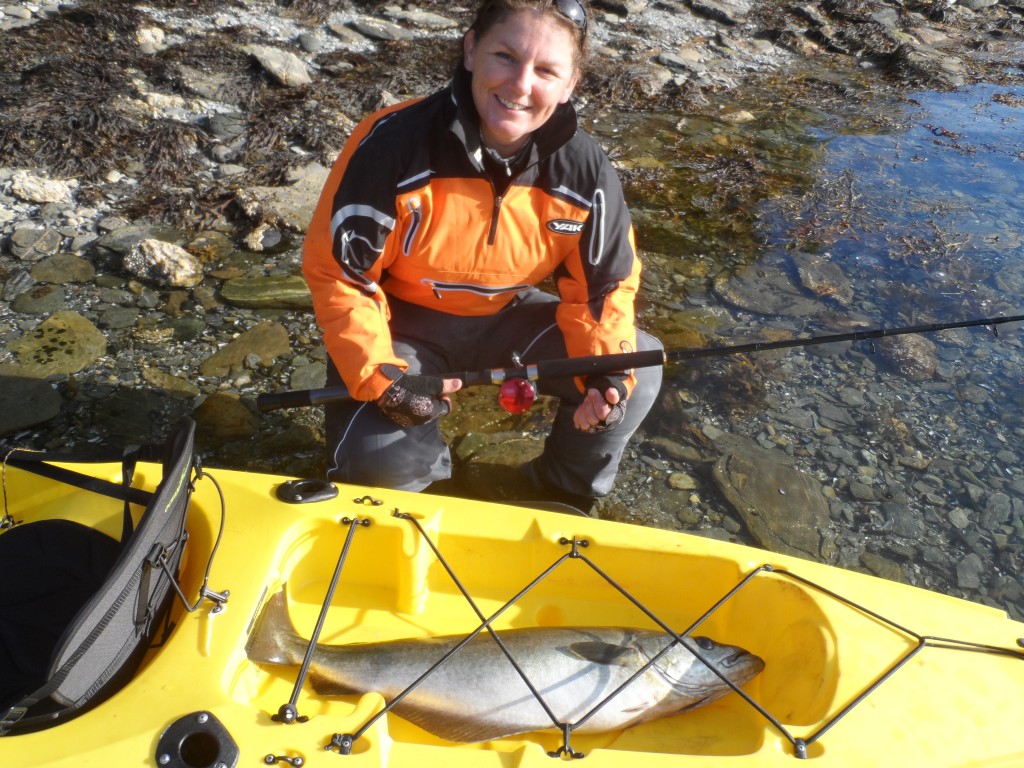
494 219
414 209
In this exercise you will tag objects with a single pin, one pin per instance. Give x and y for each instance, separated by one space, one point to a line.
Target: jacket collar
465 123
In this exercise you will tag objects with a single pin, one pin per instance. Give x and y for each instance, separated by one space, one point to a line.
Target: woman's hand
415 399
603 407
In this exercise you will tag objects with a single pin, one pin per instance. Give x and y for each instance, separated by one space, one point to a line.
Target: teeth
511 105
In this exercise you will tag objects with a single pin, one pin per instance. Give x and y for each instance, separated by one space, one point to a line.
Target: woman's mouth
511 104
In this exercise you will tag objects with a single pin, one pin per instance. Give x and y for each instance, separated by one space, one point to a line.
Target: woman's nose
522 79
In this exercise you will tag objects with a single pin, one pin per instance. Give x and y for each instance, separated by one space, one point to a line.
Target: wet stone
114 318
25 400
969 572
17 284
223 417
64 268
64 343
912 356
266 341
32 243
40 300
767 291
881 566
187 328
311 376
782 506
174 386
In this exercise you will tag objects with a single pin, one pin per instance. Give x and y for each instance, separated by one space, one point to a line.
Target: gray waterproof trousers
367 448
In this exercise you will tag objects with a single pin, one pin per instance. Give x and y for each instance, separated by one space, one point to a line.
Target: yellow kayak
857 671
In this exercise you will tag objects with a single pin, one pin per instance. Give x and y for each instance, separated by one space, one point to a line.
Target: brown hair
493 12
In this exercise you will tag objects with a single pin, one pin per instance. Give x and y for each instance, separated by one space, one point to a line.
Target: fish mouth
748 662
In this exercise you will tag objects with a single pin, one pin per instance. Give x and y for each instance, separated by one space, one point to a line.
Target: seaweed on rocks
60 80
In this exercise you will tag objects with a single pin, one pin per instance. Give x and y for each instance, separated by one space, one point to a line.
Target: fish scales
477 695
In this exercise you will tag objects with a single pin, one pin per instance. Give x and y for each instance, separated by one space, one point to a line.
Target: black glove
412 400
602 384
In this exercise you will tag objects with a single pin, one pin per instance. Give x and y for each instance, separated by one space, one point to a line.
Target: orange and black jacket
409 210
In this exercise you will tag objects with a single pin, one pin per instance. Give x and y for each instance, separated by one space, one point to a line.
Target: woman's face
522 69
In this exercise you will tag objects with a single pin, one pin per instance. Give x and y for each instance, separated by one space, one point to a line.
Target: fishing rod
516 381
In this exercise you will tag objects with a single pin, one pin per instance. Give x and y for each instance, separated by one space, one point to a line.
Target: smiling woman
438 221
523 67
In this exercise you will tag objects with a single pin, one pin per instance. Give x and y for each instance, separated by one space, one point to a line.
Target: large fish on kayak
476 694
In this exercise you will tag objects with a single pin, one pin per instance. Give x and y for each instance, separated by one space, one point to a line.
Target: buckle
11 717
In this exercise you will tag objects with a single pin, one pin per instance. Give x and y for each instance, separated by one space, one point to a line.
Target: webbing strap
31 463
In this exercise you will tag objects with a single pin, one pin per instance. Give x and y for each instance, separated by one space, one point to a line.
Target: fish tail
274 639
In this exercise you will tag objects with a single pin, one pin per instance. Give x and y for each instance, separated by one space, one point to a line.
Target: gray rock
767 291
40 300
729 12
379 29
25 400
311 376
824 278
913 356
783 507
289 207
969 571
63 268
287 68
420 19
34 243
16 284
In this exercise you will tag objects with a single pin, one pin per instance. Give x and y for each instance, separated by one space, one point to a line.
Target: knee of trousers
367 448
648 382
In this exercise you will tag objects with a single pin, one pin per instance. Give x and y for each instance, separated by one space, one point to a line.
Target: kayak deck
910 700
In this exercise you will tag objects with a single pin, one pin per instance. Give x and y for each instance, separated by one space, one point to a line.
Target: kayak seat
79 608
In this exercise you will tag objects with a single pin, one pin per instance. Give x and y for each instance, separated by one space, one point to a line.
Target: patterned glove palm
412 400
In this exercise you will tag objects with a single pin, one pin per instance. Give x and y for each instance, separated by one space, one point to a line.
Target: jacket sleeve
598 282
344 258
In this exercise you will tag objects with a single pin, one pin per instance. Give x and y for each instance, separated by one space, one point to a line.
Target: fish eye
705 643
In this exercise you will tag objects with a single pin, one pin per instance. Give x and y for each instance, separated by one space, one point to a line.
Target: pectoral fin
603 653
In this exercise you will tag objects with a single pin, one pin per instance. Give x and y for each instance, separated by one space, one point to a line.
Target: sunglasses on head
574 11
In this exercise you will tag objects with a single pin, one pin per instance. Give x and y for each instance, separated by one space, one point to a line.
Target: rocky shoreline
159 162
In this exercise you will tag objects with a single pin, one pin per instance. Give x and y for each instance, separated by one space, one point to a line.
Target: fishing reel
516 393
517 396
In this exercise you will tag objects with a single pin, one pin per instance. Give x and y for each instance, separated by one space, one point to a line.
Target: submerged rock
64 343
25 400
783 507
289 292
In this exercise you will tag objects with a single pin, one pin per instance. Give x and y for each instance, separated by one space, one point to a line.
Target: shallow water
917 200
